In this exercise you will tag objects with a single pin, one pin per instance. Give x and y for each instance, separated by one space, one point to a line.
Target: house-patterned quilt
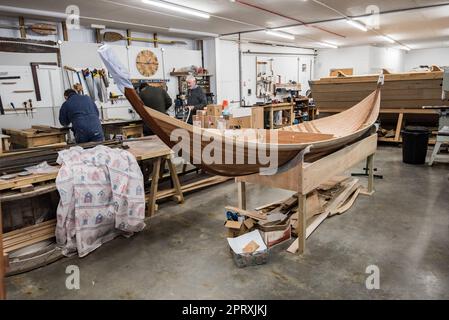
102 196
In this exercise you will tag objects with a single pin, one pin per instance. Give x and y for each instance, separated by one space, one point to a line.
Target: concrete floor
403 229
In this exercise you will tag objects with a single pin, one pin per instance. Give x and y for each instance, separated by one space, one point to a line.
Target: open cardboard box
242 259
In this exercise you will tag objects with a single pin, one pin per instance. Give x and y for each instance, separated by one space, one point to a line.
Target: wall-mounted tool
31 107
114 36
14 107
22 91
2 111
38 28
8 83
67 68
10 78
25 107
88 79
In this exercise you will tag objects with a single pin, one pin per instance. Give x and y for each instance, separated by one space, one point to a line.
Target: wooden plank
26 48
399 127
22 181
368 88
387 95
324 169
254 215
175 180
22 28
349 203
302 223
154 186
390 77
241 186
417 104
65 35
30 228
148 148
386 111
47 236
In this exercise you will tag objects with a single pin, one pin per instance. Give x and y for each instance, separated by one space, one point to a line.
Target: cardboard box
235 228
214 110
238 245
276 234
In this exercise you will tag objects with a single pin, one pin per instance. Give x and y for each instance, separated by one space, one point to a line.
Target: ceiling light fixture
199 33
406 48
329 45
387 38
280 34
357 25
177 8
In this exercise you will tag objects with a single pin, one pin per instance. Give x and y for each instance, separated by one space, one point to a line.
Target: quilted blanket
102 196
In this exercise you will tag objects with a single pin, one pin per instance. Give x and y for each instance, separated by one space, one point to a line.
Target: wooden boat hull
400 91
322 136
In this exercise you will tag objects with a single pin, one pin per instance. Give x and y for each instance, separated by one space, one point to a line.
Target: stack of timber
24 237
335 197
17 161
403 97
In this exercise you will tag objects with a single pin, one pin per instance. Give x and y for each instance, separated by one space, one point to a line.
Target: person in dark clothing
82 113
155 98
196 98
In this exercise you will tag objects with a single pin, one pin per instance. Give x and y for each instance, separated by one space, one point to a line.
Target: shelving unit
203 80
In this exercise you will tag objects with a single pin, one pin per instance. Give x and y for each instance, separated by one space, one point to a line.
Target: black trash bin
415 142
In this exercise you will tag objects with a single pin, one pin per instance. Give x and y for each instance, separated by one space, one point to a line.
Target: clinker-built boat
319 137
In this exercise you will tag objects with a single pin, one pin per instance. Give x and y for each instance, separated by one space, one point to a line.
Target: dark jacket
155 98
82 113
196 98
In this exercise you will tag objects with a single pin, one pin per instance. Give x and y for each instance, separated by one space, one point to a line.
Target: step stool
442 139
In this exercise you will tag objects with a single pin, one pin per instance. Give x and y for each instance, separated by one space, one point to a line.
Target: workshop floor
403 229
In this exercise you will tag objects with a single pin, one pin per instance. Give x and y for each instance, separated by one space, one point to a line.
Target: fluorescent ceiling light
387 38
280 35
406 48
357 25
199 33
177 8
329 45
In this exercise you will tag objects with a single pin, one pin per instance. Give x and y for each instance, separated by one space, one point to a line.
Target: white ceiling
417 28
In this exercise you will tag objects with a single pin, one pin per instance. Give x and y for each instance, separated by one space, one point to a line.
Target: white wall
287 62
426 57
363 59
386 58
227 67
357 58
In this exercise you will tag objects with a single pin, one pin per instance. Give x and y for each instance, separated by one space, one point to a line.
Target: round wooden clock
147 63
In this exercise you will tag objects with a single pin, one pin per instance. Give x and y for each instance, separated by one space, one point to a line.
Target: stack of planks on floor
24 237
332 198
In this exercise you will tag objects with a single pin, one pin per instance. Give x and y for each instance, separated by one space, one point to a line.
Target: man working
196 99
155 98
83 114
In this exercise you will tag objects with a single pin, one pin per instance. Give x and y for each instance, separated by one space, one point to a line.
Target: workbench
126 128
283 107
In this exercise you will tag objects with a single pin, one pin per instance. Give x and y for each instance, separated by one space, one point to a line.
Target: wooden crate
36 136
